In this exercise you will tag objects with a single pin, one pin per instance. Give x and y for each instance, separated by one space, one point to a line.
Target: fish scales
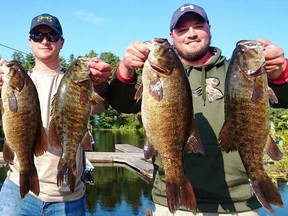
246 126
22 124
167 115
71 108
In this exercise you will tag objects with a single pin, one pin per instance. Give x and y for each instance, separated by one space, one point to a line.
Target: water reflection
105 140
115 186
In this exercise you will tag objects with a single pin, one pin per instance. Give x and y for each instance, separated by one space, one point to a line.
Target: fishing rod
8 47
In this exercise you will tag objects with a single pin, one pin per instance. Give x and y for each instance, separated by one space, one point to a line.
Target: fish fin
86 142
156 88
8 154
62 167
194 143
180 194
42 145
266 193
96 98
53 104
257 93
224 139
272 97
29 181
53 136
66 173
272 149
71 176
12 102
138 94
149 150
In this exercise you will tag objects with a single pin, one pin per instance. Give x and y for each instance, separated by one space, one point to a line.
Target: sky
111 25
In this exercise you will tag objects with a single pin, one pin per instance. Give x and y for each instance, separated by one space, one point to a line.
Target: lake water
118 191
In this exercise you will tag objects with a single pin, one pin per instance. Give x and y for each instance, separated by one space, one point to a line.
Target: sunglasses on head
39 36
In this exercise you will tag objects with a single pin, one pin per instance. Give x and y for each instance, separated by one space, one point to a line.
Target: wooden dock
125 154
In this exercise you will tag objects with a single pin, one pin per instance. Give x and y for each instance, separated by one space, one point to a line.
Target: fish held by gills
168 119
246 126
71 108
22 124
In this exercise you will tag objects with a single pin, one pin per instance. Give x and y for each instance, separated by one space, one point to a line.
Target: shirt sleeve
283 78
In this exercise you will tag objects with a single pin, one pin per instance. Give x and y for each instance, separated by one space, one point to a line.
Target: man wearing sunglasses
46 41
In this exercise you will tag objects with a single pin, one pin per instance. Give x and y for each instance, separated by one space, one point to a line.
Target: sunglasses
39 36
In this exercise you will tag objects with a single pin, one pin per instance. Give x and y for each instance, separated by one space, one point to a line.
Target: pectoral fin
156 88
194 143
12 102
8 154
86 142
53 136
224 139
149 150
272 149
42 144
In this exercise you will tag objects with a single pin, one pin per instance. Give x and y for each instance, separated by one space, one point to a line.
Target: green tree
63 62
18 56
29 62
110 58
71 59
92 54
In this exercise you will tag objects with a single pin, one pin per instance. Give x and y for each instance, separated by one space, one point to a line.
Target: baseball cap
47 20
185 9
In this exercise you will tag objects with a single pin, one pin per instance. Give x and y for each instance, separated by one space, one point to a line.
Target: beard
194 55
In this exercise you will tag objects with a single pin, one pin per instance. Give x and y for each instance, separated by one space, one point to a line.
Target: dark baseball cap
46 20
192 8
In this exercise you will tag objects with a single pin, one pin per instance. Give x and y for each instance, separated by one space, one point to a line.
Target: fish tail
62 167
267 193
67 173
182 194
29 181
71 176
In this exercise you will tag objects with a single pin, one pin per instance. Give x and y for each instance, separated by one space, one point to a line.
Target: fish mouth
255 73
160 53
251 60
158 69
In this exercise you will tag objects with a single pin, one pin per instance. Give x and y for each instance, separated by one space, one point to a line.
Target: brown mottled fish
22 124
246 126
168 119
71 108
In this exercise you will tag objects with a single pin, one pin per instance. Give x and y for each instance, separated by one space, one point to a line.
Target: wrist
129 76
283 77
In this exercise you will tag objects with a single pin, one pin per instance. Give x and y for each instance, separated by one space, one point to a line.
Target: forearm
280 88
122 90
281 77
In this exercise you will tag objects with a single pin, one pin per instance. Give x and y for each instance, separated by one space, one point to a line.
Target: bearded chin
195 56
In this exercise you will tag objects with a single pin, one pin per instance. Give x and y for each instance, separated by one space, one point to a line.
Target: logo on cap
187 6
48 18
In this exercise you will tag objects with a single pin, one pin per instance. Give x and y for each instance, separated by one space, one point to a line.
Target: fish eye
240 52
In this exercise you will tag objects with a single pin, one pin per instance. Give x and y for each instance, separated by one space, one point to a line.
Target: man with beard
219 180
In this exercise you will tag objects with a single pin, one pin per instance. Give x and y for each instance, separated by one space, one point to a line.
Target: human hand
134 57
275 62
2 61
99 71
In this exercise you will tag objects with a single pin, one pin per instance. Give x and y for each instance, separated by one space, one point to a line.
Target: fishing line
13 49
